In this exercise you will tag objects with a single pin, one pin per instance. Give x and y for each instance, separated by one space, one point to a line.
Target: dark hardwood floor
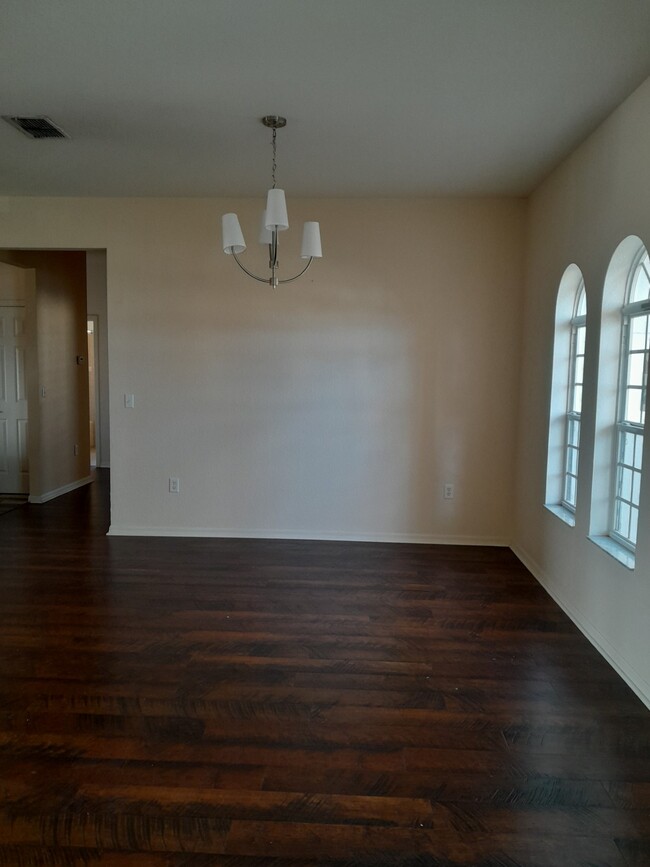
203 703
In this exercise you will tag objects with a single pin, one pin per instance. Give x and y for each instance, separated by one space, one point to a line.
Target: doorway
60 291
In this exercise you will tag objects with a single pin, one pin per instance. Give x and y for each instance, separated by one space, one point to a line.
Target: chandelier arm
290 279
250 273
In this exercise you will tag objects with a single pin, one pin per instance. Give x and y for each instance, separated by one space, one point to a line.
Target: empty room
324 501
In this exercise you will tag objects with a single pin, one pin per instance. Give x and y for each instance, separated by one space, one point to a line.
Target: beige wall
333 407
59 420
581 213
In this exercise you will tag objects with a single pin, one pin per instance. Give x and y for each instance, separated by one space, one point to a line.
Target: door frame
94 318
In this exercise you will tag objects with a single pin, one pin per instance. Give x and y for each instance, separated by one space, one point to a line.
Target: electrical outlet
129 401
448 491
174 485
76 449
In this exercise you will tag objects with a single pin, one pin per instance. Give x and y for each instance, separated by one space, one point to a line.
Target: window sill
562 513
616 550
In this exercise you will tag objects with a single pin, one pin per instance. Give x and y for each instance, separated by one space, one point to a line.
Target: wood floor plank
505 787
461 848
266 703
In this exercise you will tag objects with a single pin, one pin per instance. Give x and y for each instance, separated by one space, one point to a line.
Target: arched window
566 395
632 396
574 402
621 402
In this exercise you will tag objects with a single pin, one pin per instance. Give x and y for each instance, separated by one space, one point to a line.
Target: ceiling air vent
36 127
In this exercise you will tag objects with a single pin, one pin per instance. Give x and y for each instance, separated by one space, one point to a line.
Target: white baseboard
215 533
57 492
630 675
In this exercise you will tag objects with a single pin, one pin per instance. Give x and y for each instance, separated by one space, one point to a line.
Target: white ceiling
383 97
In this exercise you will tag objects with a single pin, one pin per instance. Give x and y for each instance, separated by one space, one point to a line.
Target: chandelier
274 220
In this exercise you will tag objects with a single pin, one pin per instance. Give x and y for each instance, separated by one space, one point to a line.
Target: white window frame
625 427
567 308
573 418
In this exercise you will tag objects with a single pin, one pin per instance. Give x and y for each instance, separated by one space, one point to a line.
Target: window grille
632 398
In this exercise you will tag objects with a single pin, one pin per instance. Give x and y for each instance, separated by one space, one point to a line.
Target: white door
14 474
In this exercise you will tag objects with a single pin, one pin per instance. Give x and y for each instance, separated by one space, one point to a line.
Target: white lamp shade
311 246
231 234
276 211
266 236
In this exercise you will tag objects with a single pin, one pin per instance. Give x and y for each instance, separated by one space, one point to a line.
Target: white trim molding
305 535
57 492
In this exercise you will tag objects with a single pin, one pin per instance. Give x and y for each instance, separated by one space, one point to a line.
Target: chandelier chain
274 164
